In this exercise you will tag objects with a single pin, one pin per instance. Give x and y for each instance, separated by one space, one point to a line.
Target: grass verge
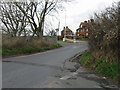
27 50
101 65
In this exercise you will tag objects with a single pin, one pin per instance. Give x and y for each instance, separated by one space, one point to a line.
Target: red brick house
67 32
82 31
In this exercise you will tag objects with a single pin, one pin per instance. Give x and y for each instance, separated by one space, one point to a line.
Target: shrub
104 34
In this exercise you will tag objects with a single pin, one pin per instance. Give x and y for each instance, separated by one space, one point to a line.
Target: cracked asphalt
50 69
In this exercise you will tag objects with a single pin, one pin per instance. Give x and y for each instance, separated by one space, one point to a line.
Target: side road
33 70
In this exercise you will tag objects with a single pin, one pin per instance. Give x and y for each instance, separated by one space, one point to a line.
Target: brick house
82 31
68 32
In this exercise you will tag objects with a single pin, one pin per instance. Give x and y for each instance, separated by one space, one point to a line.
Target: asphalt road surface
44 70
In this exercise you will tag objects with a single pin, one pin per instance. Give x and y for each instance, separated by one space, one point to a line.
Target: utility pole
58 27
65 24
57 31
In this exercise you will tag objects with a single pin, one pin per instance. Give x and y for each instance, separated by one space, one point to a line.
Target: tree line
23 18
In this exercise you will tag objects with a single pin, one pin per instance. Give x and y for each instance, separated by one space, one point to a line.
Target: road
45 70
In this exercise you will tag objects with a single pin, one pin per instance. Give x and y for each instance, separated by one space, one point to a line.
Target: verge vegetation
101 66
103 55
16 46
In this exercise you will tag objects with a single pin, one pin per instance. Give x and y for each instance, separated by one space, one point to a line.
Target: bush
103 38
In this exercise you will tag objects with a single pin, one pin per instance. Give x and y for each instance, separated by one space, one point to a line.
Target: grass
27 50
108 69
19 45
86 58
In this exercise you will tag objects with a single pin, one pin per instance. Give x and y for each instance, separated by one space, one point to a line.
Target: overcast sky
80 10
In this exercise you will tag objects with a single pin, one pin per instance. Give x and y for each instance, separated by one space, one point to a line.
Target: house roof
67 29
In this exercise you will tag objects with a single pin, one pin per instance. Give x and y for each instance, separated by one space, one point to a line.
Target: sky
78 11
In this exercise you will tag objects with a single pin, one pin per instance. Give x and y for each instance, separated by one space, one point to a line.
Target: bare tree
14 21
36 13
17 16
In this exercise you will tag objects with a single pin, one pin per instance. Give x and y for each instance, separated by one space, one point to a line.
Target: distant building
67 32
82 31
